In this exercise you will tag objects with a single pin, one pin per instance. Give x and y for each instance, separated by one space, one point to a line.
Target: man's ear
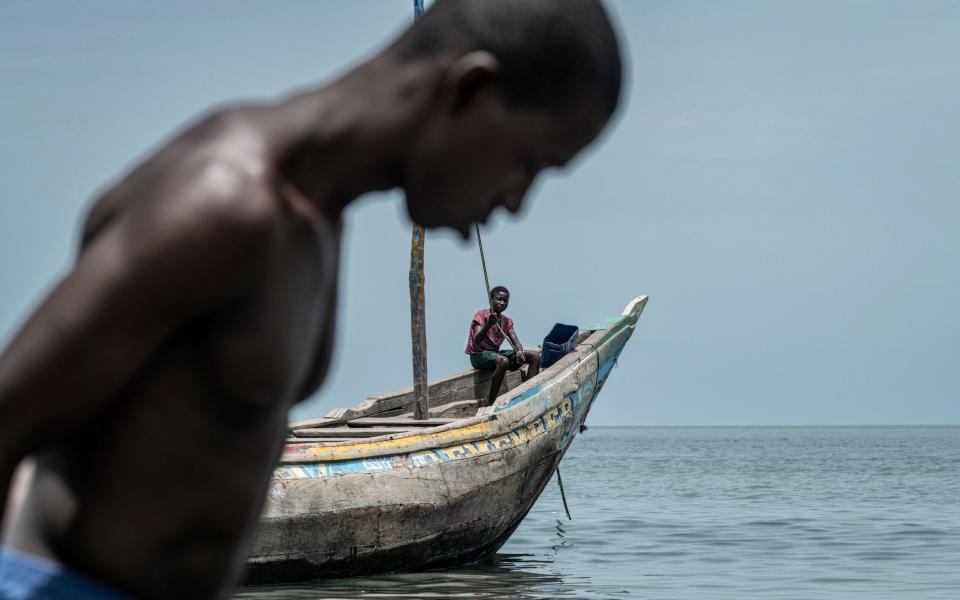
472 78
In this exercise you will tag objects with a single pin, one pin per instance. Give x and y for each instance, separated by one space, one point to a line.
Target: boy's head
519 86
499 299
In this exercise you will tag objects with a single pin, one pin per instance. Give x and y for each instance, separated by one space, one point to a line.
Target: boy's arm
138 281
478 330
512 334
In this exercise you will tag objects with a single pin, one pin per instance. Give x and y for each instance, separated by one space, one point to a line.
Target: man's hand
521 357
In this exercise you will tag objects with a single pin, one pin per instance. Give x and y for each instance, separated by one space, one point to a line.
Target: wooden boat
369 489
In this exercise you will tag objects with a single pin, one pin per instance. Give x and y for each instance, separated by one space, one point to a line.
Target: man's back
157 494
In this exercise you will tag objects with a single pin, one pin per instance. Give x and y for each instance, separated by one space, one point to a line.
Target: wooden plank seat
455 410
407 422
439 415
321 422
348 432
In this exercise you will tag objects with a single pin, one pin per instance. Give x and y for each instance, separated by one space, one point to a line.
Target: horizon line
784 425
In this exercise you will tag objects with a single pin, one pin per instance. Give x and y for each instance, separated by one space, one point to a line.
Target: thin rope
563 496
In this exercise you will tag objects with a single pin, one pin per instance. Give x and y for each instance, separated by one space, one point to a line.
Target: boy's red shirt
491 341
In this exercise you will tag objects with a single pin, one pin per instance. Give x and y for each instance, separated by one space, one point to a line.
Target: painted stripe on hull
516 437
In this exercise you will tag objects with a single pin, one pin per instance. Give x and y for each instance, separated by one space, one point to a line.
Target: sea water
721 512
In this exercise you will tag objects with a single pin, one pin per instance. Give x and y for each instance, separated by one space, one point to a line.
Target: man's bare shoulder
206 222
205 207
229 174
213 202
220 158
229 199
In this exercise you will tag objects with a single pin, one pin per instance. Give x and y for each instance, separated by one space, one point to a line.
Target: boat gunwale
504 411
471 429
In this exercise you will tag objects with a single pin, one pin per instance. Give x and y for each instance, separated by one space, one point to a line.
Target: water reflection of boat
504 577
369 489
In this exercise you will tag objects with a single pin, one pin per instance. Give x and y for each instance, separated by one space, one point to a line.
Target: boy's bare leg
532 358
498 372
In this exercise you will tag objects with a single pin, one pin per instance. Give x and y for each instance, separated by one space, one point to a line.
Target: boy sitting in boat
487 331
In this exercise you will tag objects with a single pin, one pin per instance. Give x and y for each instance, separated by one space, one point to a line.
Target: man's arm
155 268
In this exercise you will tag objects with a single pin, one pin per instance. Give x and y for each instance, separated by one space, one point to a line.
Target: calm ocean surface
704 512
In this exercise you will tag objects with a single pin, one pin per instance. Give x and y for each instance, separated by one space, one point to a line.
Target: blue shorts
26 577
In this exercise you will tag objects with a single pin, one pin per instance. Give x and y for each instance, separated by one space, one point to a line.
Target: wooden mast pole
418 321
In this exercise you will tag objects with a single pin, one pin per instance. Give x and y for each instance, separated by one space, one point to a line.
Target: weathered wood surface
401 421
418 326
455 410
349 432
462 431
434 496
418 322
321 422
436 515
398 421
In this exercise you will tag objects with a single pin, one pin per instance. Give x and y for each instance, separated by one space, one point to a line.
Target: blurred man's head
526 85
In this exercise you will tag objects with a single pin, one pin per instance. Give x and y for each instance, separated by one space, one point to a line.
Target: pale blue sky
783 183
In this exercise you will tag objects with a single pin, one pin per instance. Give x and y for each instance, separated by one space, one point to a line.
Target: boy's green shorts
487 361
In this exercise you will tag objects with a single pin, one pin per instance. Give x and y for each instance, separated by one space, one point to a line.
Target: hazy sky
783 182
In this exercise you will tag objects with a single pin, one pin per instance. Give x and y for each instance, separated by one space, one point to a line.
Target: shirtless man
152 384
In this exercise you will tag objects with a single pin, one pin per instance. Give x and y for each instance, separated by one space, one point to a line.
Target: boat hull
414 530
446 496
